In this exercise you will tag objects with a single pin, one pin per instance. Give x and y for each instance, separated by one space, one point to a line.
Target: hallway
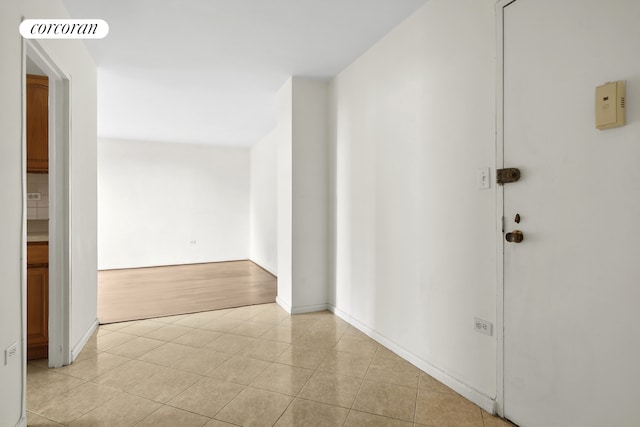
246 366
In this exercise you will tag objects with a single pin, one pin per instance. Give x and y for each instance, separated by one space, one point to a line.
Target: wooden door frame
500 5
59 202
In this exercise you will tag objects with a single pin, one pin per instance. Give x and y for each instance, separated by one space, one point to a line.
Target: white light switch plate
484 182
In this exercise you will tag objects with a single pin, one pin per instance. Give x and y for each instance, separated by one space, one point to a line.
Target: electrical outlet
192 242
483 326
10 353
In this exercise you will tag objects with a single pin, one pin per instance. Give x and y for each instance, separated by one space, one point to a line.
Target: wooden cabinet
37 124
37 300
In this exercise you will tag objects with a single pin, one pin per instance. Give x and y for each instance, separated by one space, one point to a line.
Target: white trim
75 351
301 309
282 303
22 422
500 5
60 221
480 399
263 267
309 308
23 242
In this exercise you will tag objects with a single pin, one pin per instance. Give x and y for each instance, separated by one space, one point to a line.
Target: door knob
515 236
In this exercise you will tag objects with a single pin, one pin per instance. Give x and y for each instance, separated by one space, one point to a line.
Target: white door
572 286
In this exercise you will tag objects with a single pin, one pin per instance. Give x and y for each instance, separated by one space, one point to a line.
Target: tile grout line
365 375
415 407
41 416
310 376
148 415
206 376
271 363
202 415
362 383
237 394
93 409
319 325
48 400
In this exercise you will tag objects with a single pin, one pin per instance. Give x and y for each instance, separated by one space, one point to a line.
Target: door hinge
504 176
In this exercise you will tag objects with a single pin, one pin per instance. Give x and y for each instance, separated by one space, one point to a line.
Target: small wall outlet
192 242
10 353
483 326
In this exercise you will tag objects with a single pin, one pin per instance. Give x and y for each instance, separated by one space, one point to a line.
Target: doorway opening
51 230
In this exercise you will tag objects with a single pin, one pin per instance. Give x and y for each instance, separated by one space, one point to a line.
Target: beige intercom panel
610 105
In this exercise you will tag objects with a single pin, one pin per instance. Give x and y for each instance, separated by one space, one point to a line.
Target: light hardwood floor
142 293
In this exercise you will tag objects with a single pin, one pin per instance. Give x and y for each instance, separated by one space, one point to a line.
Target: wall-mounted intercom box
610 105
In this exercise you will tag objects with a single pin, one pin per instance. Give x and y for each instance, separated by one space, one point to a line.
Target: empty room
332 213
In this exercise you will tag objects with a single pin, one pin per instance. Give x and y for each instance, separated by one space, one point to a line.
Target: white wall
71 57
414 251
284 135
156 199
309 197
11 221
302 212
263 248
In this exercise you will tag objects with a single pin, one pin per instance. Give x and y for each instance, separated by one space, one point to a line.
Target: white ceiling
207 71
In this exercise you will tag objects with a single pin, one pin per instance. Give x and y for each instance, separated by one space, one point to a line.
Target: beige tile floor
249 366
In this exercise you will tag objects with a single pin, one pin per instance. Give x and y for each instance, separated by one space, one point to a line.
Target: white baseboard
300 309
480 399
263 267
309 308
75 351
283 304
